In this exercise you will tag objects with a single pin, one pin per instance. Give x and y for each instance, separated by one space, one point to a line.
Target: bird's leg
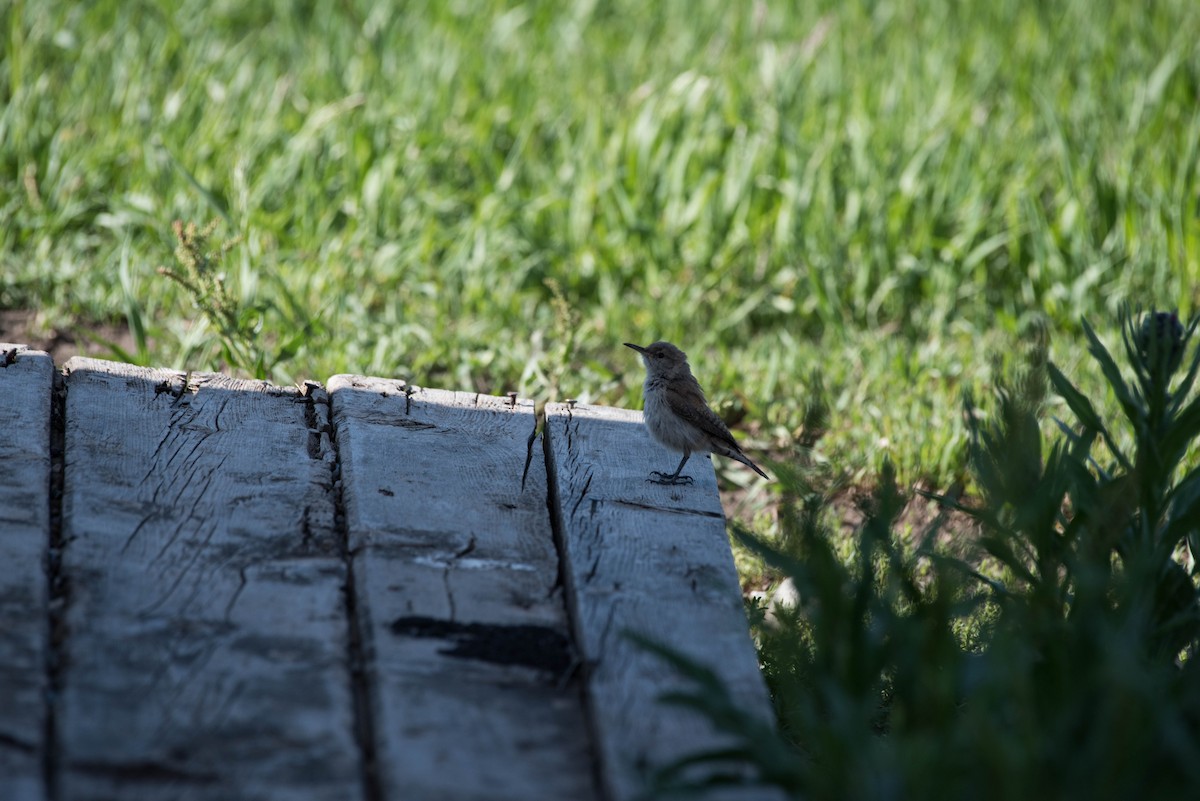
662 478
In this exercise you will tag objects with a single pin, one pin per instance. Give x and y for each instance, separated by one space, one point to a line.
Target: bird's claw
668 480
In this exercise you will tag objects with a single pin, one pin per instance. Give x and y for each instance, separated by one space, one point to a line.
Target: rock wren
677 413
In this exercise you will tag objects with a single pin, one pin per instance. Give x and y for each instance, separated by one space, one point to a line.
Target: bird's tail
736 453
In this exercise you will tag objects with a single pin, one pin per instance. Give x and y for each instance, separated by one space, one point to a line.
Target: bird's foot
668 480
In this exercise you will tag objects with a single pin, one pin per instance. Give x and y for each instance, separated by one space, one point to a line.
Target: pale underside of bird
677 413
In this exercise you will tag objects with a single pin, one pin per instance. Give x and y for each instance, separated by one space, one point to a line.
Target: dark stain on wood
538 647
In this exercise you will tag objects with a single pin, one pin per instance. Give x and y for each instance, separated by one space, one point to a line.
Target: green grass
887 193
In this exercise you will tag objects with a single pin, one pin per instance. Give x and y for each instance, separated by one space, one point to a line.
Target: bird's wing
689 404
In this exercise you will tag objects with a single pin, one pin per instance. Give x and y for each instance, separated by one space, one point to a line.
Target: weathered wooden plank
206 654
471 674
26 384
651 559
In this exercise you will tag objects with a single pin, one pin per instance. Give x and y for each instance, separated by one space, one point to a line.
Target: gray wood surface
26 383
206 653
650 559
206 650
472 686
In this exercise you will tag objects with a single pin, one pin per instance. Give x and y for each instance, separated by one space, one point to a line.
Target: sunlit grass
890 193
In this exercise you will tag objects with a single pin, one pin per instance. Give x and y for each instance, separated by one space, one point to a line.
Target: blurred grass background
890 195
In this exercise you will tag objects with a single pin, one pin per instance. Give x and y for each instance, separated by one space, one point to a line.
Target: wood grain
206 648
455 570
652 560
26 384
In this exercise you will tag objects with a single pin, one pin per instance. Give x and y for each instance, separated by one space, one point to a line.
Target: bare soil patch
103 340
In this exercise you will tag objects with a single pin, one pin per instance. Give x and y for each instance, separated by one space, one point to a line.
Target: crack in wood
528 450
168 433
175 437
59 588
416 425
364 721
586 486
602 642
570 597
670 509
137 530
14 743
195 555
569 429
149 770
313 393
190 514
233 599
307 536
449 592
468 548
220 411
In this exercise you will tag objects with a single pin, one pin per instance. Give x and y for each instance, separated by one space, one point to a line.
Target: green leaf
1183 517
209 196
1130 401
1185 386
1183 429
1076 400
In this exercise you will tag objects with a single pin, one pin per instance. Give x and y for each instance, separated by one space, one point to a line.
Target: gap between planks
364 723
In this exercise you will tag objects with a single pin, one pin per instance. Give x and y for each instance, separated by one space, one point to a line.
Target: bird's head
662 359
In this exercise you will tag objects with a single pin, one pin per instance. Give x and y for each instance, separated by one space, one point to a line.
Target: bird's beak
638 348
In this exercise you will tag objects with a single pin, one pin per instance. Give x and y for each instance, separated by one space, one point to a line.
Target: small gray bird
677 413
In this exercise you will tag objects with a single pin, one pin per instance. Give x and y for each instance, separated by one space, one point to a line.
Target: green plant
1057 659
238 326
